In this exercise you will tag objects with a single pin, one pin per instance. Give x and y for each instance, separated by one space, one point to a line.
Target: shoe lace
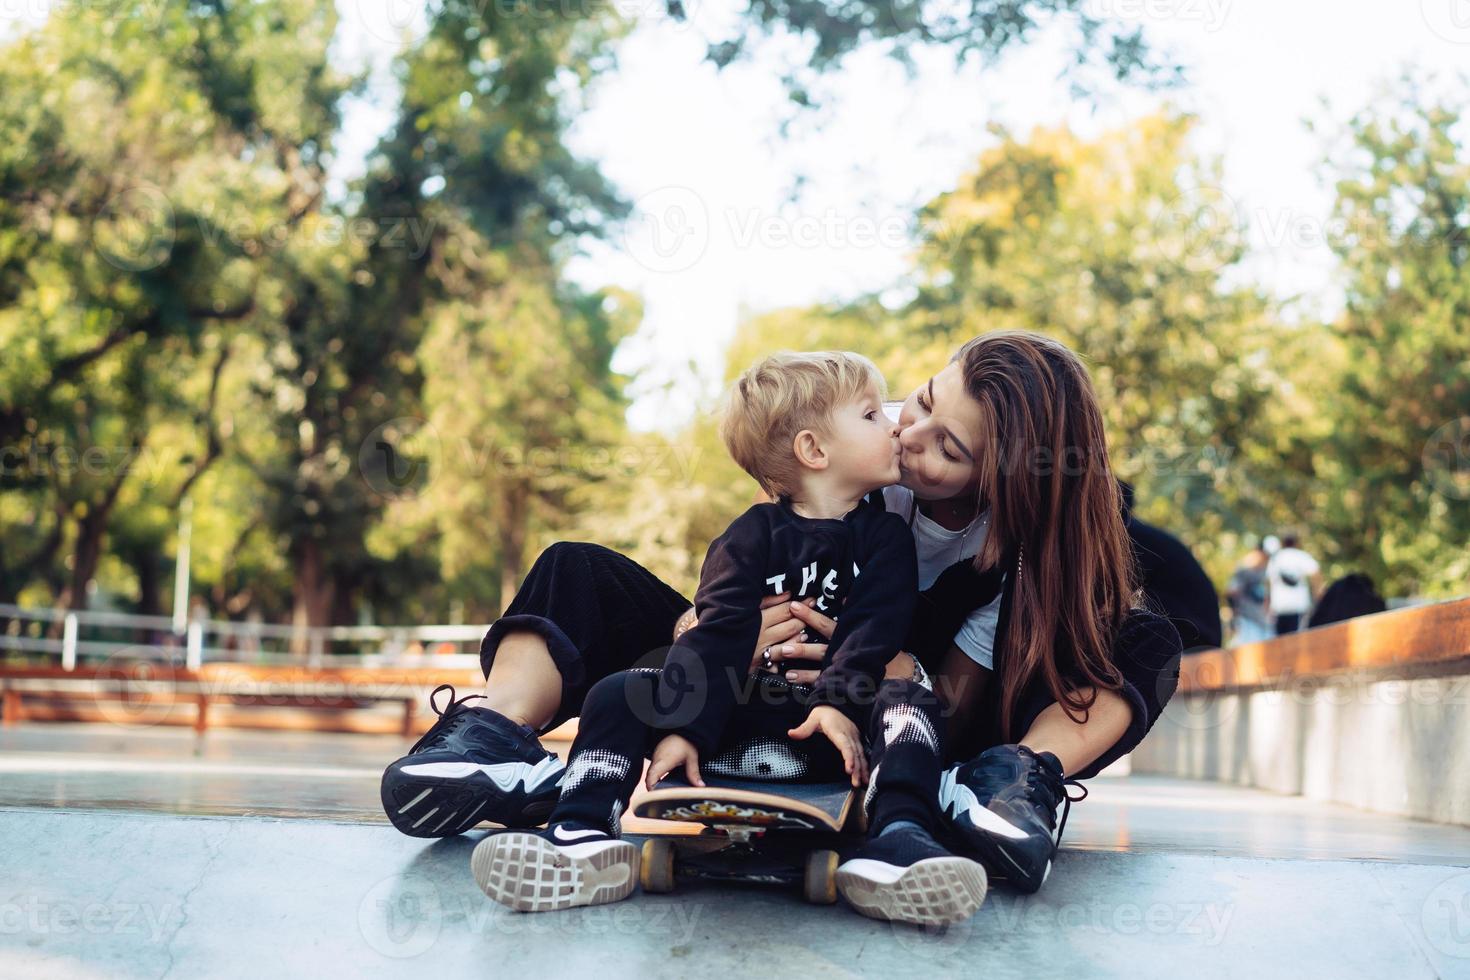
450 717
1041 780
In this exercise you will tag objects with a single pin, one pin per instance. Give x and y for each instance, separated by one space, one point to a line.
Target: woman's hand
786 631
817 626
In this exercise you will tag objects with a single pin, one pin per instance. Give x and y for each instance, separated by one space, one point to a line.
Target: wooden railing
1422 636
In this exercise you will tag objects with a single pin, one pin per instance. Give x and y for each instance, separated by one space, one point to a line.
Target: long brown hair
1056 517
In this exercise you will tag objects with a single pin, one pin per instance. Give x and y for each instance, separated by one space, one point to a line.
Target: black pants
598 611
1288 623
615 734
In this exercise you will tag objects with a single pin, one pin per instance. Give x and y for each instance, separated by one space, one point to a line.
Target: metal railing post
69 642
194 650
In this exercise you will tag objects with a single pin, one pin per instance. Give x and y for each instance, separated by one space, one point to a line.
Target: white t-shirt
938 549
1292 598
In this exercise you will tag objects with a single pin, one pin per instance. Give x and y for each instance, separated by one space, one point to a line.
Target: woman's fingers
775 600
799 651
691 771
819 622
781 632
657 769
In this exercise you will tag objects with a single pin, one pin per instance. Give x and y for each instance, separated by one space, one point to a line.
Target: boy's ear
809 450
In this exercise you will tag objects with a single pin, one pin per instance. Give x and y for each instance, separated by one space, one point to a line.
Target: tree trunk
512 543
312 593
91 530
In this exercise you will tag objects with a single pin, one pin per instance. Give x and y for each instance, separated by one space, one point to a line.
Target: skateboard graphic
753 831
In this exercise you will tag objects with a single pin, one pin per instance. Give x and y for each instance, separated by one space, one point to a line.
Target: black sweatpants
598 611
615 735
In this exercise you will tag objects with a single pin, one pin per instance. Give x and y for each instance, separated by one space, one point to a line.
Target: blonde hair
778 397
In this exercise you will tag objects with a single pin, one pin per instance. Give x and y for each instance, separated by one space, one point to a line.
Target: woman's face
937 432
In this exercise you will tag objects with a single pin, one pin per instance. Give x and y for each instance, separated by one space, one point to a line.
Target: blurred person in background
1293 578
1247 593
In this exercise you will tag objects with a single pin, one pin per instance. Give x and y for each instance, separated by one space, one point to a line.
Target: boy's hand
842 732
672 752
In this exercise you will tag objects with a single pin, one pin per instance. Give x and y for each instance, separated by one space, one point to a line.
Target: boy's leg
582 613
902 873
578 859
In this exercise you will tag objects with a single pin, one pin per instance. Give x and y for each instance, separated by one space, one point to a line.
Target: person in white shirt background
1293 578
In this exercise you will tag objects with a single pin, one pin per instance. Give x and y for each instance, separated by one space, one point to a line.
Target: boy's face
863 443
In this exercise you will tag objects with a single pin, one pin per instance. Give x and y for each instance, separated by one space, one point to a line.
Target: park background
380 301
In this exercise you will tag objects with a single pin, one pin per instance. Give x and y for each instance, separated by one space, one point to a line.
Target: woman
1028 622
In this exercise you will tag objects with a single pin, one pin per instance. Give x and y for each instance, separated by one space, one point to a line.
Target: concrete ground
148 853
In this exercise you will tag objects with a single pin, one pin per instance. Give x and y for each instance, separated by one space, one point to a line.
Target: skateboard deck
753 831
757 804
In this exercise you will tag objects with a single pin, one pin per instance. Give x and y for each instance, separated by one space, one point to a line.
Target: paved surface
286 868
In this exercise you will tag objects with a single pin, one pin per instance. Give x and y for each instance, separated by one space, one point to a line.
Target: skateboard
753 831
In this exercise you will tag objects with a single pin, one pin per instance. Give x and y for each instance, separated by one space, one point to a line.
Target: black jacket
861 565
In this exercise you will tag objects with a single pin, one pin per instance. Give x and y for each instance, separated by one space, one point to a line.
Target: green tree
1391 474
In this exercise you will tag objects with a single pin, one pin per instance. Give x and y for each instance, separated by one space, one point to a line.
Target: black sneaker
474 764
905 876
561 867
1002 808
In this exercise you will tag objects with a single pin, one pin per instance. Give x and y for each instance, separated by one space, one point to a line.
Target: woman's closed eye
940 442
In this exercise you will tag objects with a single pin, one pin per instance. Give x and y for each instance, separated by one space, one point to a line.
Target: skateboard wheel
656 868
820 883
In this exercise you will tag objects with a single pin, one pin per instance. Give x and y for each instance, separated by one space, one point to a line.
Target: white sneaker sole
933 892
529 873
